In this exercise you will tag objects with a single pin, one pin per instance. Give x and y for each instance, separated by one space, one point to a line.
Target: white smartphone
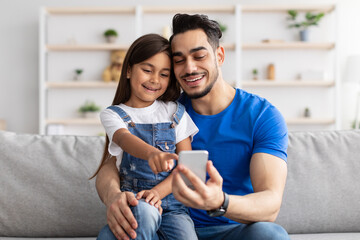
196 161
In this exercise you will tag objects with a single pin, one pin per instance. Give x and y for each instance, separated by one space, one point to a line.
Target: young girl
145 127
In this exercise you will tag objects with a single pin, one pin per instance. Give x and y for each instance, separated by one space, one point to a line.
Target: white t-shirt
158 112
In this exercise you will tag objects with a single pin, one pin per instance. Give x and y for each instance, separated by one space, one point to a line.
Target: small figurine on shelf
307 113
78 73
89 110
110 35
113 72
255 74
271 72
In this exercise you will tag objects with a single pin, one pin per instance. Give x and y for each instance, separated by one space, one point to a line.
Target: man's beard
206 90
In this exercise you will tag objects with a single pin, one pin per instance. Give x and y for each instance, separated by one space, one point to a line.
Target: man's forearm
268 177
107 181
256 207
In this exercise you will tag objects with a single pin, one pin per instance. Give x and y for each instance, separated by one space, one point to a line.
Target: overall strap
124 116
180 109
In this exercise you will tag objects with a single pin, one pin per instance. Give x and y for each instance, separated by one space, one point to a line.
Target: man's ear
220 55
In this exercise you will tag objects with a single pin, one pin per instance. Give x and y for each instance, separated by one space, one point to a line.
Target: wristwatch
222 209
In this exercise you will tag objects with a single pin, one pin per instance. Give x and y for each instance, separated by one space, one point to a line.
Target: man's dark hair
185 22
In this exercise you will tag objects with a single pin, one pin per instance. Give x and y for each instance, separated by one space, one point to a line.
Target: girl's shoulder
169 106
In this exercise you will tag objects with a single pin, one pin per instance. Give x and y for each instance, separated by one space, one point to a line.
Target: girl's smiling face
149 80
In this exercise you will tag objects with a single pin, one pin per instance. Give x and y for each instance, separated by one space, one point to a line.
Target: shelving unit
55 48
286 92
60 96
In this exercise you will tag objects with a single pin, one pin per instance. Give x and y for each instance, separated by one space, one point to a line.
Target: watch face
216 213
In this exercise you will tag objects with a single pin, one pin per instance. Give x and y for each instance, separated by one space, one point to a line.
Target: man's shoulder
251 100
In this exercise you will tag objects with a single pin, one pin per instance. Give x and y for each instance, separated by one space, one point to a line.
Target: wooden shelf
290 121
105 47
293 83
201 9
285 8
87 47
228 46
192 9
91 10
74 121
80 84
289 45
310 121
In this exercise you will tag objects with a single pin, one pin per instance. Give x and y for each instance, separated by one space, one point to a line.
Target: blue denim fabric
170 225
136 175
254 231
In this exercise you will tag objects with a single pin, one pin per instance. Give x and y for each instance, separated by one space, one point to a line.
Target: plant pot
304 35
111 39
77 77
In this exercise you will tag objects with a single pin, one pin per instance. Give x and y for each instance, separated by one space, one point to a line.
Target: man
246 138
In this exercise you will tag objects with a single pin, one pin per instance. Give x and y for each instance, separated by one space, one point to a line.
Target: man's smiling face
195 63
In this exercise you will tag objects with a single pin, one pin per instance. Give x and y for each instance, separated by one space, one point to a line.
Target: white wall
19 51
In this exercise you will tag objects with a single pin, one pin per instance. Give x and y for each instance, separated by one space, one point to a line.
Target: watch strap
222 209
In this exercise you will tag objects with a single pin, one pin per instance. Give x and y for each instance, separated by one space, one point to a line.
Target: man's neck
218 99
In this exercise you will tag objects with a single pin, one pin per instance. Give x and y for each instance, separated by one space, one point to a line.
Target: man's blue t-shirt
250 124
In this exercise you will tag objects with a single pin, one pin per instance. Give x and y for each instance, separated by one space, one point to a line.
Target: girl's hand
152 197
162 161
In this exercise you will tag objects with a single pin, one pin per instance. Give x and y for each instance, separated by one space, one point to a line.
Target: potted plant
89 109
307 112
223 29
110 35
78 73
255 74
353 125
311 19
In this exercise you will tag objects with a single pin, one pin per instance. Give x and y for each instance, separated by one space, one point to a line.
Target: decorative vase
271 72
304 35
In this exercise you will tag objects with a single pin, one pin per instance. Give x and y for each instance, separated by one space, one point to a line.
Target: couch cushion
68 238
326 236
45 189
322 192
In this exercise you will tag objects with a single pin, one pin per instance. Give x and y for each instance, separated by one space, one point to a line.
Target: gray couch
45 191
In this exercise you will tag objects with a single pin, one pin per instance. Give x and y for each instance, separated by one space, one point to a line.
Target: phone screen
196 161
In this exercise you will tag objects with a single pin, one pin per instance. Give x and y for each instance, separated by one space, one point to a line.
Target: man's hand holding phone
203 195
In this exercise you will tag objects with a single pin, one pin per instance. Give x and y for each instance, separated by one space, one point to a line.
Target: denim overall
136 175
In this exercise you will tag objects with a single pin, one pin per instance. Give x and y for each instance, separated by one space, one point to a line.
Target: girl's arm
154 195
158 161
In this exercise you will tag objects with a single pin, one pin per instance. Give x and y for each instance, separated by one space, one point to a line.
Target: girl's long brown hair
142 49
